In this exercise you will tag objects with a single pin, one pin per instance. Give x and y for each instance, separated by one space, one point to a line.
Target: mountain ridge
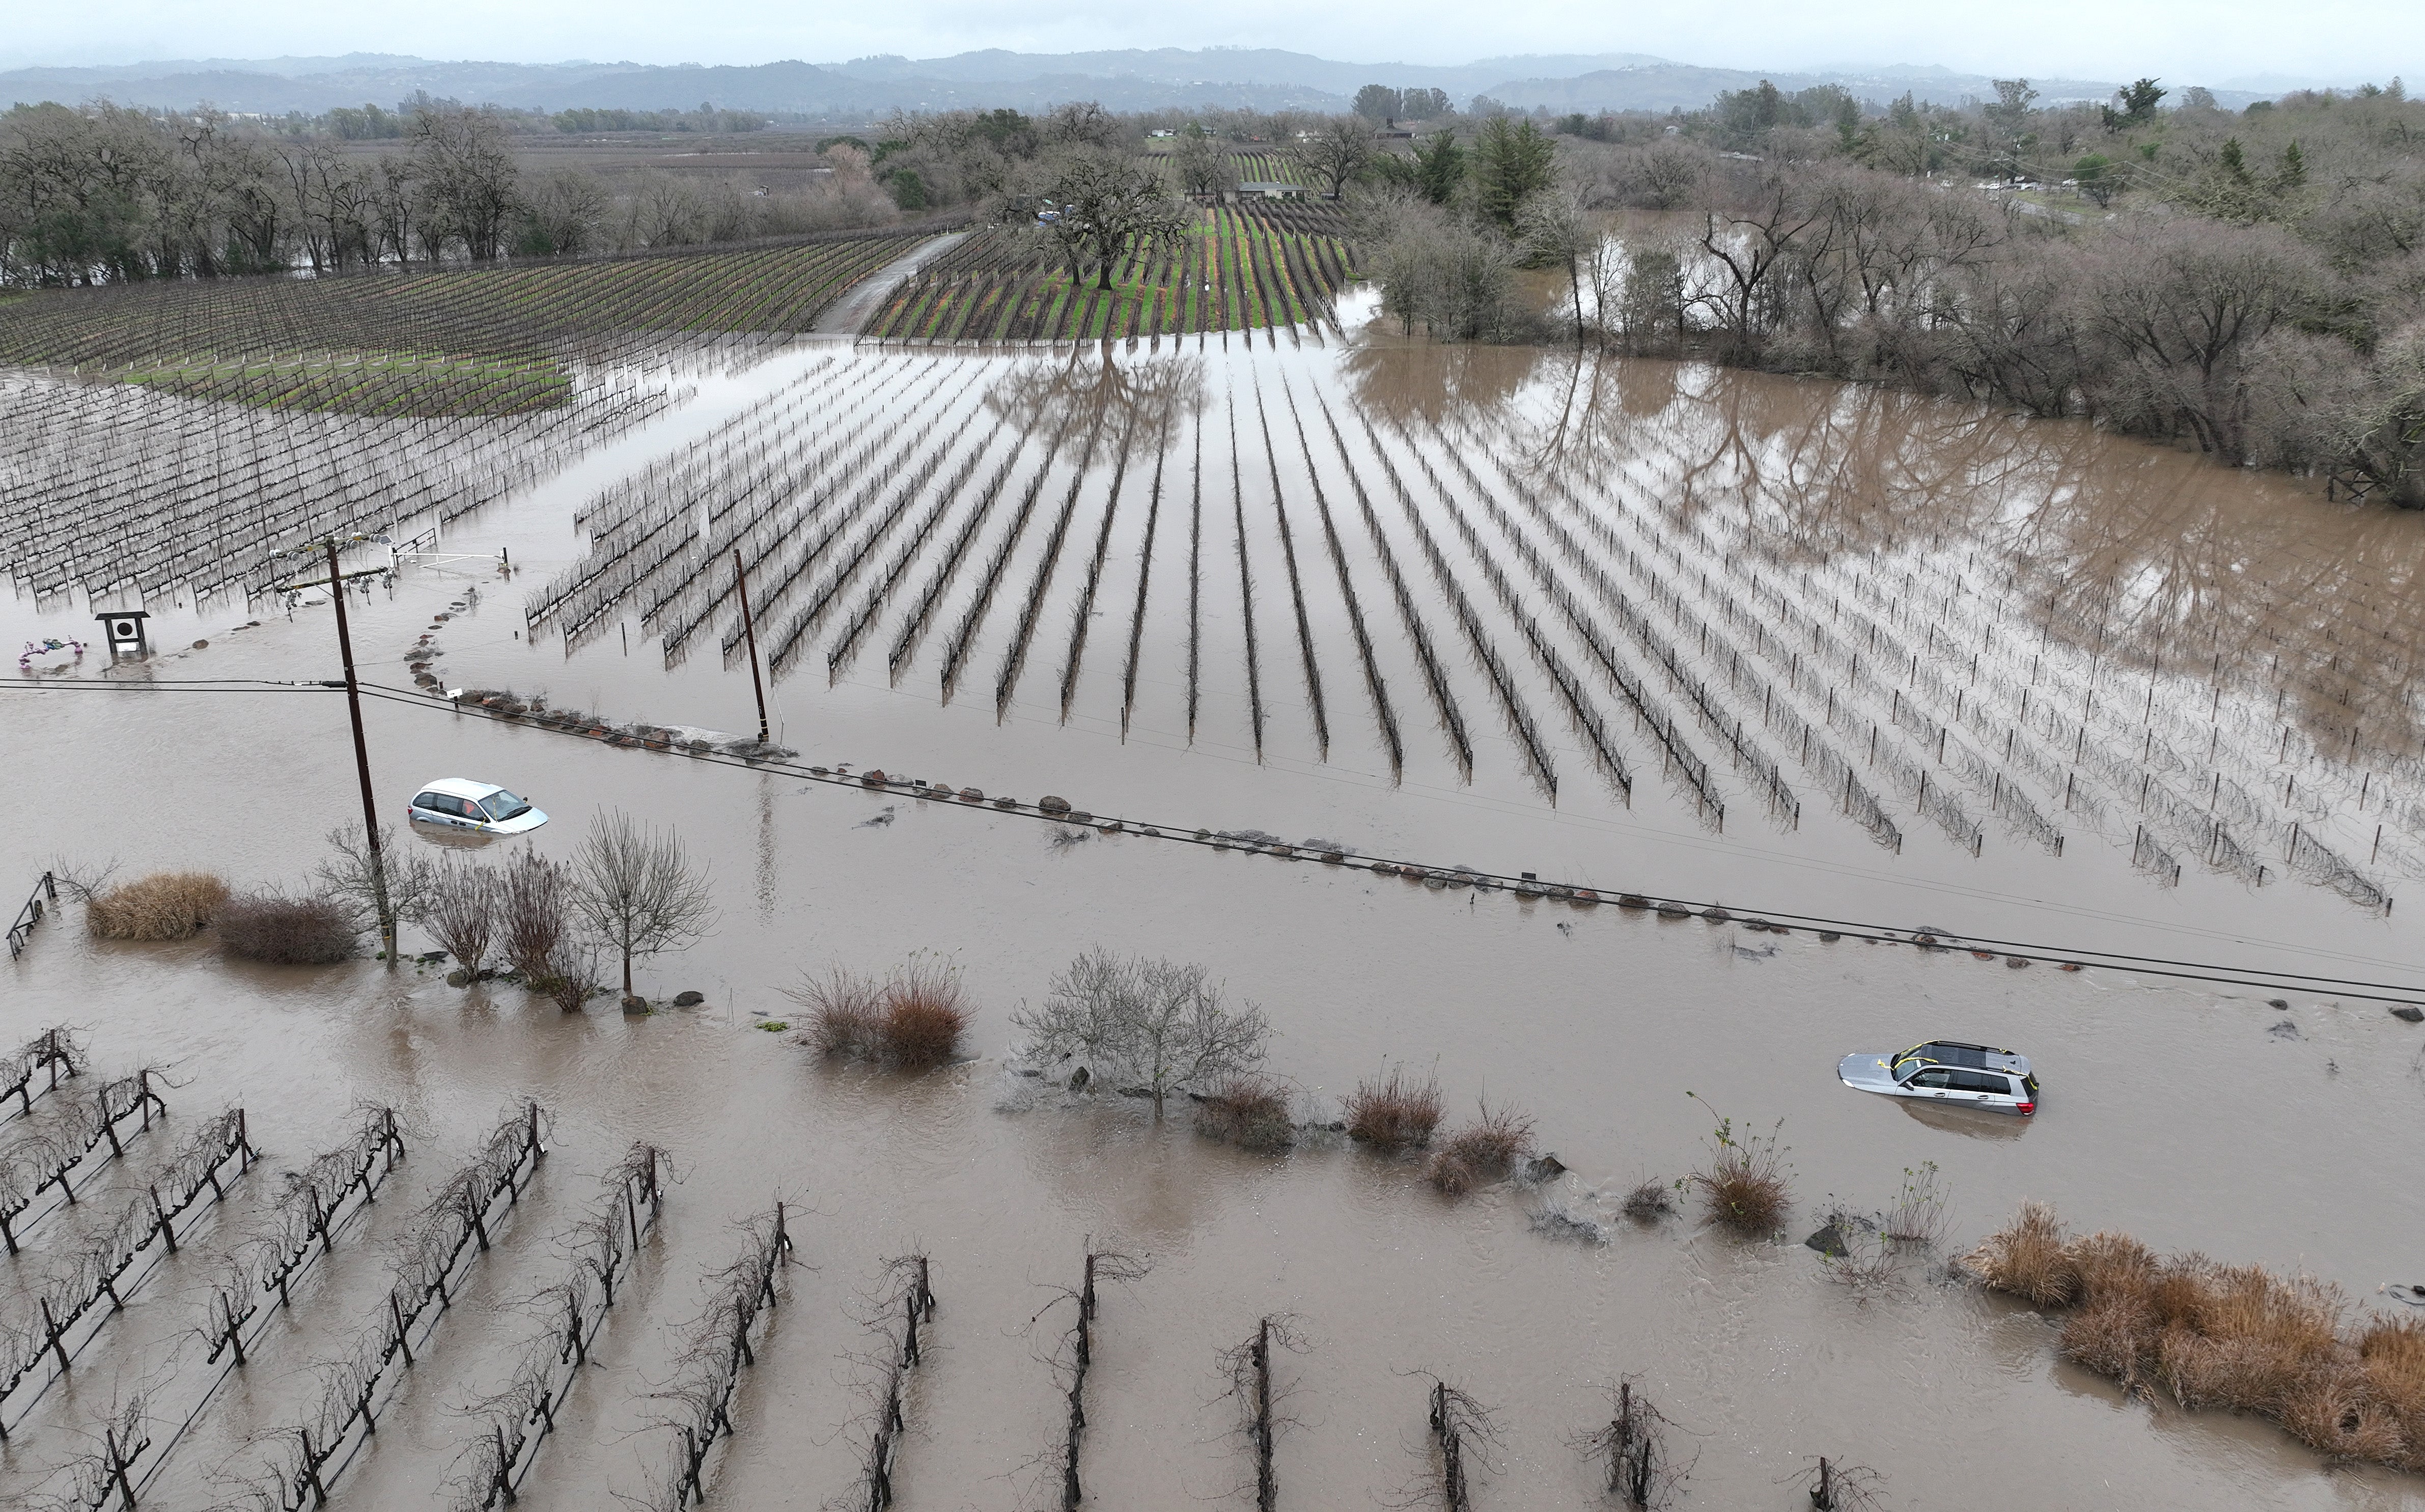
863 89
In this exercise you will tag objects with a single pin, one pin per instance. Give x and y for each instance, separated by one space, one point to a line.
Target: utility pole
362 765
757 681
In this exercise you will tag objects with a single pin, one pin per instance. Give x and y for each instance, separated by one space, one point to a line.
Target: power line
2053 955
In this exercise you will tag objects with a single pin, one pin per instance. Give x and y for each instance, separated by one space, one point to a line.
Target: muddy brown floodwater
2205 644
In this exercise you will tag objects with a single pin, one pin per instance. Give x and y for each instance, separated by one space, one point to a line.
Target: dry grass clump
1394 1111
308 931
1485 1150
913 1019
163 905
2028 1259
1251 1112
2237 1337
845 1014
1743 1183
1648 1202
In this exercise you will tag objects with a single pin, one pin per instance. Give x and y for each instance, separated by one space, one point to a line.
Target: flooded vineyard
1867 666
1607 596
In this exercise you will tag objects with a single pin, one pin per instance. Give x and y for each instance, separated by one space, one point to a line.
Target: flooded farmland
1852 661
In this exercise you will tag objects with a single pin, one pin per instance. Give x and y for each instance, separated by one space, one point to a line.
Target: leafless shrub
464 910
99 1474
1156 1024
1393 1111
1642 1471
1860 1257
163 905
1743 1183
1835 1487
1249 1111
533 904
572 978
267 926
1483 1150
1263 1405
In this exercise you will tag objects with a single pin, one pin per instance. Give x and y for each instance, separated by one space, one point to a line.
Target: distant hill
861 89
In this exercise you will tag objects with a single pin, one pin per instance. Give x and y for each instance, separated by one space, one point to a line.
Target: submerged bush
1743 1183
1483 1150
269 926
164 905
925 1015
1394 1111
911 1021
2238 1337
1249 1111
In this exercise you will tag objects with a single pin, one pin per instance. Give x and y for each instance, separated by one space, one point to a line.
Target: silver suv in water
1946 1072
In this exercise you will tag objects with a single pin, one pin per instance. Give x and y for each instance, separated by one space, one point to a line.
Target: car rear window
1981 1082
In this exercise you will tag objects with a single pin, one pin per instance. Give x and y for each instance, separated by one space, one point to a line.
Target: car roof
461 787
1973 1057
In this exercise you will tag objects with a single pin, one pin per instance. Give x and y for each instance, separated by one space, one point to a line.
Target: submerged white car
464 804
1947 1071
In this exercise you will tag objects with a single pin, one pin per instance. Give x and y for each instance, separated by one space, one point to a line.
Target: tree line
2250 283
106 194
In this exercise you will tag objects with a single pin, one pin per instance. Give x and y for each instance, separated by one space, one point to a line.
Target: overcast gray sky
2209 41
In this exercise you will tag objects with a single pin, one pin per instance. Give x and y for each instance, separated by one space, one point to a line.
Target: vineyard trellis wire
1239 270
302 1458
902 1310
708 1372
144 1232
318 1203
50 1159
56 1052
606 1242
1075 1358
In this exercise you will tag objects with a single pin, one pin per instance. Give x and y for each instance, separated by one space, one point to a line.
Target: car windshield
504 805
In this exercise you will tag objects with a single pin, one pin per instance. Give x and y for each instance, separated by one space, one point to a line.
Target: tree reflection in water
2132 554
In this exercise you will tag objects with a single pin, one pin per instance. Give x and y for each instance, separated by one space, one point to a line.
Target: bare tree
1093 205
1205 166
1335 152
349 875
637 891
1152 1023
